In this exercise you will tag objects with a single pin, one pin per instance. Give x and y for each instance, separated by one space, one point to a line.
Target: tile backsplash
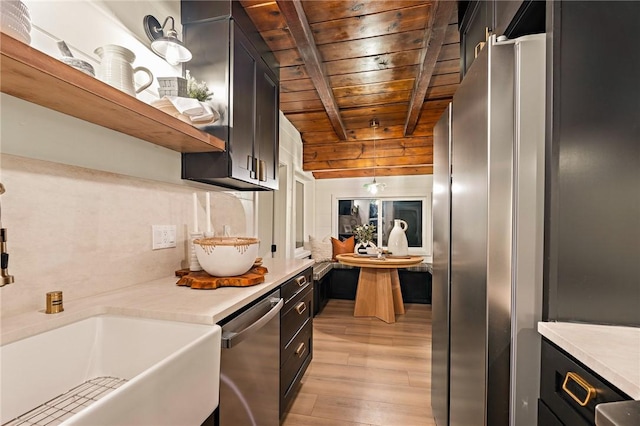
85 231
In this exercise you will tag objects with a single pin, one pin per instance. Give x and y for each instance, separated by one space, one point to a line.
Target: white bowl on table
226 256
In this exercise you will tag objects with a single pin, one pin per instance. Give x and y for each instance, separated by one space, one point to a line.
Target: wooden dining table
378 294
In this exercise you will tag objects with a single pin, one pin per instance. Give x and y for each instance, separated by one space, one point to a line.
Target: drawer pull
301 349
301 307
301 281
478 48
591 391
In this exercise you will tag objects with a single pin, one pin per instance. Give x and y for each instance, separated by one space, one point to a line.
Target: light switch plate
163 236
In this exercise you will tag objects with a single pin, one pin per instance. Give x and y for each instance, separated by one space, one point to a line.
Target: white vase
398 244
365 248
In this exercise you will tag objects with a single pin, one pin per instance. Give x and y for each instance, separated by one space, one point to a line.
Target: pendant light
374 187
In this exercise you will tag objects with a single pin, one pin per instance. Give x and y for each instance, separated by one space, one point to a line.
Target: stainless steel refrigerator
488 238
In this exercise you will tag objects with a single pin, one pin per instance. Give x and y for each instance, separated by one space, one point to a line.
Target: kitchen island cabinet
578 356
36 77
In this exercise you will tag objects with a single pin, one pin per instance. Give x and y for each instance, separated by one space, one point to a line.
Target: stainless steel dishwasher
250 365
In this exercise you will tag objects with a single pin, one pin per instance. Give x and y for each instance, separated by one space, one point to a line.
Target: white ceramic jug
116 69
398 244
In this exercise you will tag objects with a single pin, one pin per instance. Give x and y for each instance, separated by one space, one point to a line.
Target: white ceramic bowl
16 8
226 256
15 27
80 65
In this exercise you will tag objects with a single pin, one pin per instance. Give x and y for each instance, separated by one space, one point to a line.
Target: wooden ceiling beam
294 15
434 39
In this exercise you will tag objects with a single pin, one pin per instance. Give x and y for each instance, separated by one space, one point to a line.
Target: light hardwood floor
365 371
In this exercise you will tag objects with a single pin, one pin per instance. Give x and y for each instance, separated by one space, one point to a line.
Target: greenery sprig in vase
364 235
197 89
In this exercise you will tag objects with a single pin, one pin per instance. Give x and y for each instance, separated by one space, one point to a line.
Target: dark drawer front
562 376
299 350
546 416
291 321
296 285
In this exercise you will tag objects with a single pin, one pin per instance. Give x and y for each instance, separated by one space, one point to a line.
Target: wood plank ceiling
344 62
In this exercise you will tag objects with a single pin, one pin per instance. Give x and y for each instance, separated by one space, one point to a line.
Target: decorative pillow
341 247
321 250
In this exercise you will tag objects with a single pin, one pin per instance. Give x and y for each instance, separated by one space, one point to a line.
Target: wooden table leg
374 296
398 304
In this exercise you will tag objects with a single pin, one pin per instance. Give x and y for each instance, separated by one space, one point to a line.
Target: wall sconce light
168 47
374 187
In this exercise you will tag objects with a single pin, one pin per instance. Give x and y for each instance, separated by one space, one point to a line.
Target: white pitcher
116 69
398 244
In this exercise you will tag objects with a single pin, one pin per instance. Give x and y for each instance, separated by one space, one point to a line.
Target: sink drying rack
68 404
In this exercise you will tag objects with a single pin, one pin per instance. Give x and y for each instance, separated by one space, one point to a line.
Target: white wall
328 191
81 198
291 158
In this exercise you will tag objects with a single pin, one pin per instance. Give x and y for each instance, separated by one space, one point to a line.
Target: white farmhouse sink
169 371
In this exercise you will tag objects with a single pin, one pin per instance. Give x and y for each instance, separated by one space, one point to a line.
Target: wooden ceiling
344 62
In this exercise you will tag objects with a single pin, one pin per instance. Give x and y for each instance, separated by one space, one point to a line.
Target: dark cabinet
230 56
296 335
592 196
475 27
415 285
570 391
321 290
479 19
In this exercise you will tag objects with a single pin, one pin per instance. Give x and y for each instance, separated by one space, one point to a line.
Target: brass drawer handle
301 307
591 391
301 281
300 350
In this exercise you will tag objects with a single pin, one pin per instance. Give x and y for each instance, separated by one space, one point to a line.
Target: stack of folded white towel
194 109
189 110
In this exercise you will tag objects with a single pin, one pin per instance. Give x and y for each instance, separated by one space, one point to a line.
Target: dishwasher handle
233 338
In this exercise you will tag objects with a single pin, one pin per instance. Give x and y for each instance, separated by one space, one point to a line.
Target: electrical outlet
163 236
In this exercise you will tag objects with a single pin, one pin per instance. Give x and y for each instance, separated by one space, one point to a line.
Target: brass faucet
4 260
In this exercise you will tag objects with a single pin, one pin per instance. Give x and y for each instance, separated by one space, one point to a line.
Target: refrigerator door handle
232 338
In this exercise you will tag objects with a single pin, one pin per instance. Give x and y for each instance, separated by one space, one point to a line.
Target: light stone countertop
158 299
613 352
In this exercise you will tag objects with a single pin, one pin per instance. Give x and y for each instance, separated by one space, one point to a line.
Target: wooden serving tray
204 281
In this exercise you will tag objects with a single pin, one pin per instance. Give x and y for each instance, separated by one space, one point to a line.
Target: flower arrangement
364 233
197 90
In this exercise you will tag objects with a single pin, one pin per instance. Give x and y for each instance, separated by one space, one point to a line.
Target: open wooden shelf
31 75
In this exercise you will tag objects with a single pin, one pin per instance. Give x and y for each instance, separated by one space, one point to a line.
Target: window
382 212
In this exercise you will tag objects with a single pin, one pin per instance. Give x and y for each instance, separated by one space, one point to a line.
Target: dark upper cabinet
475 27
230 55
592 195
478 19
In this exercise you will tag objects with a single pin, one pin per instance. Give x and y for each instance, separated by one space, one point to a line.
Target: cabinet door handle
300 350
591 391
262 170
301 307
301 281
478 48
